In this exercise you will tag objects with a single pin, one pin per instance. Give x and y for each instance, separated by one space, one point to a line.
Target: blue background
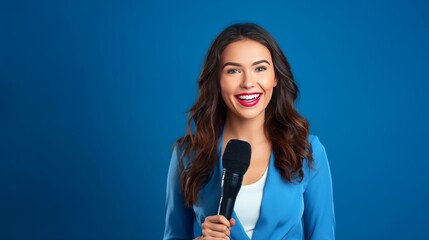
94 93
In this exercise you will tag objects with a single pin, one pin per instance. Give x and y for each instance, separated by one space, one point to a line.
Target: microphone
235 161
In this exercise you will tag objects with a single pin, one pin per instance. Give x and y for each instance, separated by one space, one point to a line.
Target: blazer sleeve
178 218
319 218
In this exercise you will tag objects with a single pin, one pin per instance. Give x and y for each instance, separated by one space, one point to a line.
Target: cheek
223 92
269 88
224 97
227 98
269 84
226 87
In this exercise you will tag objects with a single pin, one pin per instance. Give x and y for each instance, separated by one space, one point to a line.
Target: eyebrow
238 64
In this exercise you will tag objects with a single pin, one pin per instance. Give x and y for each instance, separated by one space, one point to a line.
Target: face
247 79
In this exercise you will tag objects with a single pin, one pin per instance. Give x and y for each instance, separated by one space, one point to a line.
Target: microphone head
236 157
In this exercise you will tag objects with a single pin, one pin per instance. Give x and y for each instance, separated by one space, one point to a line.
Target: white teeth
248 97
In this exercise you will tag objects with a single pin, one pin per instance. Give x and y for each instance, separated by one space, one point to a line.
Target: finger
232 222
219 219
210 234
216 227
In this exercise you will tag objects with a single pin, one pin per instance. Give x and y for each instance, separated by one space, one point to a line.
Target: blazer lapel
280 202
237 232
262 230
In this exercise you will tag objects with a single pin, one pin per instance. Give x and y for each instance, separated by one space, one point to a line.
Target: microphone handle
230 187
226 207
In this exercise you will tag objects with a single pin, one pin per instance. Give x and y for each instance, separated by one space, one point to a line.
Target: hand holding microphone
235 161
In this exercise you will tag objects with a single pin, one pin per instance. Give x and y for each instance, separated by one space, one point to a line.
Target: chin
250 116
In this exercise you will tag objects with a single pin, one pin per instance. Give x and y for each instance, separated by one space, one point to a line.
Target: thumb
232 222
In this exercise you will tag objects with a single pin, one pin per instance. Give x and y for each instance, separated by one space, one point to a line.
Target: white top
248 204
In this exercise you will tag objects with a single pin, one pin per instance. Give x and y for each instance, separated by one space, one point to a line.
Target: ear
275 82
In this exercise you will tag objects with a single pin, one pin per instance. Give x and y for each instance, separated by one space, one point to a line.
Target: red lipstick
248 99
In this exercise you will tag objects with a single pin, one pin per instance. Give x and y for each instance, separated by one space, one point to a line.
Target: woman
247 92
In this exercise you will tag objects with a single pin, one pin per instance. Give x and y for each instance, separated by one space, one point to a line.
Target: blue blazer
298 210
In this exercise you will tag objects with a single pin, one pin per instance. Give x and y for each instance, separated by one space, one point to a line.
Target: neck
251 131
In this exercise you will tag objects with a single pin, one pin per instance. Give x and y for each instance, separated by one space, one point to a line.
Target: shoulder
320 159
316 146
179 149
319 170
314 140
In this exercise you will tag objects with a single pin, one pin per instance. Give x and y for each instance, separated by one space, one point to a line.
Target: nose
247 81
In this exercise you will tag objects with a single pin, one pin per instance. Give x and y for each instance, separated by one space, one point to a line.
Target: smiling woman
247 92
247 78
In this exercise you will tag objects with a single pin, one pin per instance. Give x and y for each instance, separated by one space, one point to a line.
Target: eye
260 69
232 71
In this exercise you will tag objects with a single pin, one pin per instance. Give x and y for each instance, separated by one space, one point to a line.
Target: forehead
245 51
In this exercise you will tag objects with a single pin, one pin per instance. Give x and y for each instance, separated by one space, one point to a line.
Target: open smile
248 99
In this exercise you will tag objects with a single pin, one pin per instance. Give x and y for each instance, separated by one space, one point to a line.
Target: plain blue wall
93 94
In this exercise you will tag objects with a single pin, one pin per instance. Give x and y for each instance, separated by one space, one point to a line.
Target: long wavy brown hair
284 126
